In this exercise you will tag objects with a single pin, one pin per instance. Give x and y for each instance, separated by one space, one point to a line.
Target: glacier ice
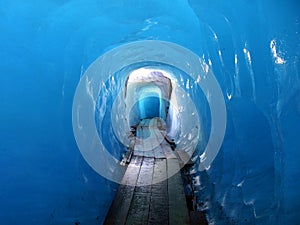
253 49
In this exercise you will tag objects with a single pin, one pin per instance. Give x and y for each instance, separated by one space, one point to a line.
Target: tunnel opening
146 107
152 106
150 90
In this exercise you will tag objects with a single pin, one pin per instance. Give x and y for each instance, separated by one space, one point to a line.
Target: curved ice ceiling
252 48
93 99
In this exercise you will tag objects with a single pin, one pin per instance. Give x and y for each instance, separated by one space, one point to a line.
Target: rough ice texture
253 49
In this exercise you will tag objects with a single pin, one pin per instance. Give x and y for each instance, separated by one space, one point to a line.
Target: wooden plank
131 175
118 211
145 177
146 195
159 195
149 153
178 212
158 215
160 171
138 147
139 208
158 153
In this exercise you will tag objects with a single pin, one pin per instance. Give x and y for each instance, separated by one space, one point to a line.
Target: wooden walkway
151 191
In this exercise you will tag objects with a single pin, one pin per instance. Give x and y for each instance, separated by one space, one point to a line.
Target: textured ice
252 47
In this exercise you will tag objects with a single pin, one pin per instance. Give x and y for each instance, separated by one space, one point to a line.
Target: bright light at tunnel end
89 87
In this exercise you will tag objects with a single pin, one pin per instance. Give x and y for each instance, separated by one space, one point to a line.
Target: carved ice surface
251 47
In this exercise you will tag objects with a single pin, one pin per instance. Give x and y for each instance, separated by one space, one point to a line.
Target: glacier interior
251 47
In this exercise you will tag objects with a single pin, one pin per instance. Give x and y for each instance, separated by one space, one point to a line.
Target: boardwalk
151 191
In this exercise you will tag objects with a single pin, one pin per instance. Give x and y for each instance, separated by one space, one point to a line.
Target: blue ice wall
253 49
254 52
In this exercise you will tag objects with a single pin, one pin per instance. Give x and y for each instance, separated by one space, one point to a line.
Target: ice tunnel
217 80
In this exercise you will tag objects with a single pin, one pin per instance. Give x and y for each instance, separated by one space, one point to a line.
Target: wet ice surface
253 49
